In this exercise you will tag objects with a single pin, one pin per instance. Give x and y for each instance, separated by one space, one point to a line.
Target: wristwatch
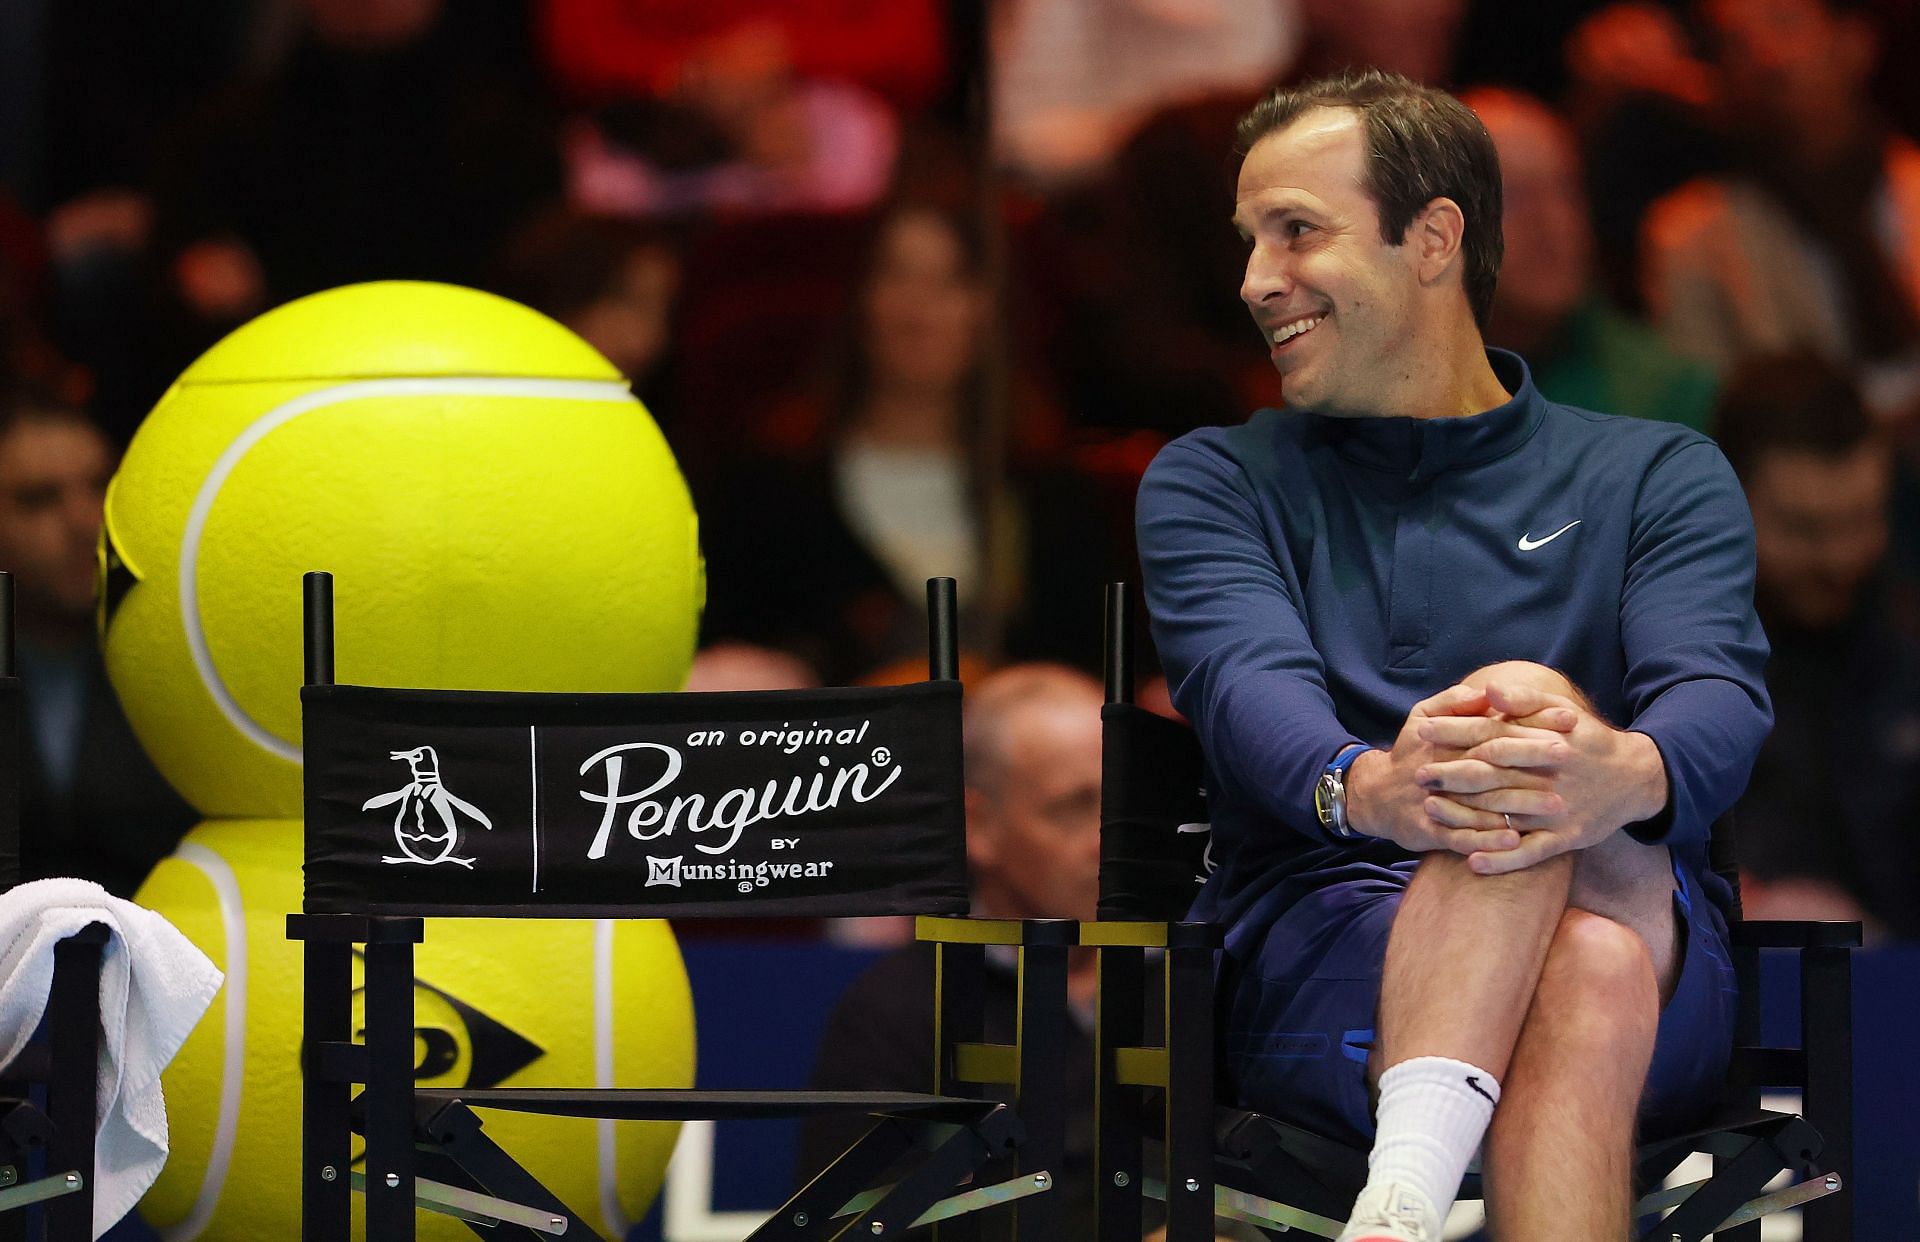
1330 795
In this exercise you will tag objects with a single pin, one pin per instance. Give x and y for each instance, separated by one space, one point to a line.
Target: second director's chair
865 785
1219 1160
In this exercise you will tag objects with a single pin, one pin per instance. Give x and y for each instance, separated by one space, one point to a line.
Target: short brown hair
1422 144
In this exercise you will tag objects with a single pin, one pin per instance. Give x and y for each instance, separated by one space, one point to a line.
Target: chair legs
480 1179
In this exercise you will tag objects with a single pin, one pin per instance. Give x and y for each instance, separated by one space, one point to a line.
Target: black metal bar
1041 1093
1734 1182
458 1135
959 1016
326 1207
389 1095
319 628
1119 1022
9 660
943 630
1190 1091
357 928
72 1090
947 1164
1826 1034
1119 661
809 1212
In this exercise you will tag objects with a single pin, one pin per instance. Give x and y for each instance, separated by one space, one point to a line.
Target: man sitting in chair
1466 895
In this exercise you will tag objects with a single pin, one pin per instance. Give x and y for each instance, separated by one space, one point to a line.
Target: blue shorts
1299 1015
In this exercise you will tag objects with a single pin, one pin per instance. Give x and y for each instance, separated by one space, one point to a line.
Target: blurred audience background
919 286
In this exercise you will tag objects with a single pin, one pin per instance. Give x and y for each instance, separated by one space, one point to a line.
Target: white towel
154 985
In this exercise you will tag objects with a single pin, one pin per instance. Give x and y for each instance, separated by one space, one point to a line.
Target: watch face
1323 797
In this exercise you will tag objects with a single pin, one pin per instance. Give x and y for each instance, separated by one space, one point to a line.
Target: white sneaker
1392 1213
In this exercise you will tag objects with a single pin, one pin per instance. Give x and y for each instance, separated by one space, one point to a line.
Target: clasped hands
1507 773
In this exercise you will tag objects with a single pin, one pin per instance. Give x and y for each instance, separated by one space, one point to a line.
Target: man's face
1549 246
1042 817
1334 301
53 480
1821 527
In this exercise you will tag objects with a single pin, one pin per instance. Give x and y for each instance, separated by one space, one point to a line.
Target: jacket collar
1420 448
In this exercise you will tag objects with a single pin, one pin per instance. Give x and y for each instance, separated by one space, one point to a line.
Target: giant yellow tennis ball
525 1003
498 513
497 510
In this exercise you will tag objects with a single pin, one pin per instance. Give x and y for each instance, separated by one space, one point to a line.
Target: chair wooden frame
1258 1169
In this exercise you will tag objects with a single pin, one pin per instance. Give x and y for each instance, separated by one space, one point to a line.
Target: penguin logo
428 844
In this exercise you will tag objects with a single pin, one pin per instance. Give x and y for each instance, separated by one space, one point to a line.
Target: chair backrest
1154 832
13 741
765 804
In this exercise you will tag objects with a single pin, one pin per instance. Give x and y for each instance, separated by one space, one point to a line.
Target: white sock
1432 1114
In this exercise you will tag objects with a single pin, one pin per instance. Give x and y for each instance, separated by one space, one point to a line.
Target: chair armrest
1796 934
1151 934
965 929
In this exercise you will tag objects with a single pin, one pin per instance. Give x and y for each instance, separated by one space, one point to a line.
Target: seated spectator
606 48
1826 829
821 542
1149 336
1032 743
393 142
611 281
1072 79
747 107
1812 241
92 805
1546 307
1642 101
1415 38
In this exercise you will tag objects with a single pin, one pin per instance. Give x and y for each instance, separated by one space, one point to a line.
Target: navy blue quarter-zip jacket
1310 579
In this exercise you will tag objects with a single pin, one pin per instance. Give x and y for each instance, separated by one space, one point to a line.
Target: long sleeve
1232 636
1695 652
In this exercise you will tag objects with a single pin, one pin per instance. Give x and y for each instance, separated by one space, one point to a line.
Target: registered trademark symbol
746 886
882 756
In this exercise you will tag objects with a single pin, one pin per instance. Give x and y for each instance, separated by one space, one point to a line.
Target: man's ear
983 832
1436 235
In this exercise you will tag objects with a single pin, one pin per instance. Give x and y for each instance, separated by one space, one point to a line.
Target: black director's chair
879 826
1276 1176
56 1132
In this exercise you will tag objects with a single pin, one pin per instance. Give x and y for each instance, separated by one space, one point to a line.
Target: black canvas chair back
1153 860
459 804
56 1130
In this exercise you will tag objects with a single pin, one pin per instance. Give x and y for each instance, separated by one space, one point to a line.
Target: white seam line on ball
233 924
273 420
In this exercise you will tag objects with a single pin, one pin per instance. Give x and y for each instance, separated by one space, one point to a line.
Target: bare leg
1442 996
1464 959
1551 980
1560 1151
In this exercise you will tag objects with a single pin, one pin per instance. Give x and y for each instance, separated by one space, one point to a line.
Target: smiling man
1467 894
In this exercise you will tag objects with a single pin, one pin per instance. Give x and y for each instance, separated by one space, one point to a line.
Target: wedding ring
1508 818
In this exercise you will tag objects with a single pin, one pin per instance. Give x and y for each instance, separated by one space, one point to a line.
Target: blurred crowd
918 287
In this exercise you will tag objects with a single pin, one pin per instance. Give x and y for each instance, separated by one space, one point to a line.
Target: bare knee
1521 673
1599 983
